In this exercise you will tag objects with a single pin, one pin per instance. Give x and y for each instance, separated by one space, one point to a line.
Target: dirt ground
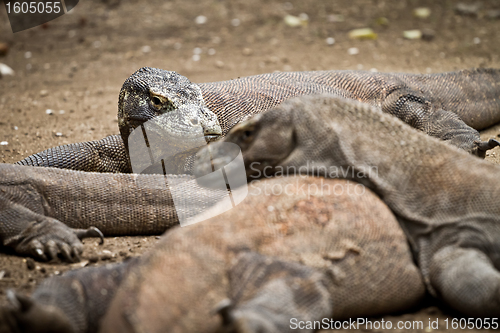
76 64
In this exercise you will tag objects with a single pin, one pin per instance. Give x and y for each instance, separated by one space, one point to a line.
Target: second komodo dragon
444 199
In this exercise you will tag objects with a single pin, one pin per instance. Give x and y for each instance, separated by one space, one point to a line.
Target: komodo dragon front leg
304 248
34 203
39 207
445 200
450 106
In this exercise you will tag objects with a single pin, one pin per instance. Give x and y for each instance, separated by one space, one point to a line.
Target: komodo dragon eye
161 103
247 135
156 101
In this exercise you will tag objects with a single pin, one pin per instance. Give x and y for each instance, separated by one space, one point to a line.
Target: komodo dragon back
296 247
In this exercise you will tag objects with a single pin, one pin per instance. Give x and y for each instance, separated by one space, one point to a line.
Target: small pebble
235 22
61 111
3 143
80 264
476 40
5 70
106 255
28 55
428 34
294 21
200 19
30 263
211 52
4 49
49 111
247 51
219 64
353 51
412 34
335 18
146 49
16 128
97 44
382 21
270 208
364 33
468 9
330 41
197 50
44 93
59 134
422 12
196 57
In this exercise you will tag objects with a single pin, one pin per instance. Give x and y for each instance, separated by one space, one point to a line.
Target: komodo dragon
431 103
451 106
297 247
445 199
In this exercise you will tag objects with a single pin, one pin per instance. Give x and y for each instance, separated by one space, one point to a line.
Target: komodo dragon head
266 140
152 92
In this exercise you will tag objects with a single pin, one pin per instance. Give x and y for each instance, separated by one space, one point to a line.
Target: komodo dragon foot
70 303
266 293
27 315
42 237
47 239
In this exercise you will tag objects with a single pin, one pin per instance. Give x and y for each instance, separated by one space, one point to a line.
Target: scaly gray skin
71 303
153 93
34 201
451 106
311 252
445 199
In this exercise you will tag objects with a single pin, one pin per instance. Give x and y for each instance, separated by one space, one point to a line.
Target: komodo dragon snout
152 92
272 148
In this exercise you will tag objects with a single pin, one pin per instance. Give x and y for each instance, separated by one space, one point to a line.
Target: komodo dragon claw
90 232
26 315
486 145
482 146
47 239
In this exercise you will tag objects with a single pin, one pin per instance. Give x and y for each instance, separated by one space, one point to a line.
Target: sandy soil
75 66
